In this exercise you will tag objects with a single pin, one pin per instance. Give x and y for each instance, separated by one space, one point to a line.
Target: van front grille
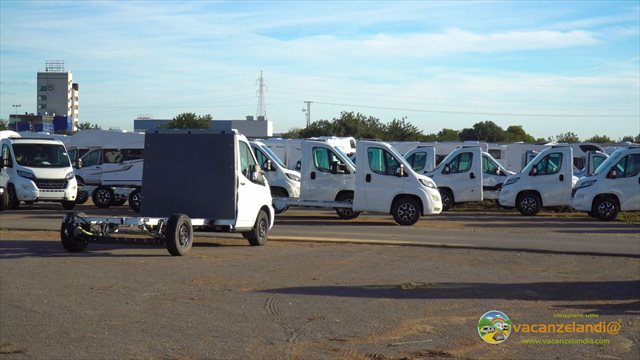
51 184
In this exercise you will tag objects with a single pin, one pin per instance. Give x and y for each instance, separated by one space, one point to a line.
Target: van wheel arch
12 197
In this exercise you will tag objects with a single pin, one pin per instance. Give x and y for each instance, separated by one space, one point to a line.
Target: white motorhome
36 169
613 187
177 203
546 181
382 182
452 185
282 181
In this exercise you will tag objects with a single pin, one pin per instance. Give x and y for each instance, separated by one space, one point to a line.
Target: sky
550 66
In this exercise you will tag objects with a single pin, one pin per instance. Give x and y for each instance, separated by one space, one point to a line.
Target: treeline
362 126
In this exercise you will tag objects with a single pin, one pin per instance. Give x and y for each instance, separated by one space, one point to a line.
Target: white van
613 187
282 181
36 169
546 181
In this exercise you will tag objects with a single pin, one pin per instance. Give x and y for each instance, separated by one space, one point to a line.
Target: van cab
36 169
613 187
546 181
282 181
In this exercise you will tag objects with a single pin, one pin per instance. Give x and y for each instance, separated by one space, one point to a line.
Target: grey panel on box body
190 172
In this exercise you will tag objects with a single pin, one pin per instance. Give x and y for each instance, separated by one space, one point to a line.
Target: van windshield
273 155
41 155
610 160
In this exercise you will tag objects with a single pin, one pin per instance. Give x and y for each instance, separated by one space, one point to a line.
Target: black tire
528 203
260 232
278 192
179 235
346 213
103 196
4 200
70 241
135 199
82 197
406 211
605 208
447 199
12 201
68 205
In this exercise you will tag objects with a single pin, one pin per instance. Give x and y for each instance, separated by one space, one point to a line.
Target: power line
481 113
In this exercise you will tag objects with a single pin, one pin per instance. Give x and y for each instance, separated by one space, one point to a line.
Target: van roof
35 140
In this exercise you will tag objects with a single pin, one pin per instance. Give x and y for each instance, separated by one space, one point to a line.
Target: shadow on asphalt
541 291
17 249
630 308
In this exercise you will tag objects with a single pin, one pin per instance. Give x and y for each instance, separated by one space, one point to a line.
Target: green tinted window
461 163
550 164
418 160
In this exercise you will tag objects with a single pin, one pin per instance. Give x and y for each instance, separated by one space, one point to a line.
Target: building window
43 88
42 97
42 106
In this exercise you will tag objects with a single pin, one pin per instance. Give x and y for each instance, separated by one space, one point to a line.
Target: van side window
246 160
629 166
112 156
461 163
261 157
488 166
323 157
132 154
91 158
382 162
6 156
550 164
418 160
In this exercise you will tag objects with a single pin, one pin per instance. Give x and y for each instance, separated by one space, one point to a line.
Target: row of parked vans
109 168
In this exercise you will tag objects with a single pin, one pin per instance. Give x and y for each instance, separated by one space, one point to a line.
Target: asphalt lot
302 299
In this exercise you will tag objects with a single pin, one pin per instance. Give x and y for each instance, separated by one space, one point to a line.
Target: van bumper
507 197
581 202
27 190
431 201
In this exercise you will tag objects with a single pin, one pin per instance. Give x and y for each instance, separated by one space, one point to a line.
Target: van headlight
510 181
69 176
586 184
429 184
294 177
27 174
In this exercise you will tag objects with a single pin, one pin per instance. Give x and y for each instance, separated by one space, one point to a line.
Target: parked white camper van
282 181
36 169
613 187
546 181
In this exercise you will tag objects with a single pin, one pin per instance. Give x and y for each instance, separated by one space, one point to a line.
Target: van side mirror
78 164
446 169
256 174
613 173
498 171
267 166
534 171
400 171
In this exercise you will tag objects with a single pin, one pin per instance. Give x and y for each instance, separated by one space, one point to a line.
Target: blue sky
552 67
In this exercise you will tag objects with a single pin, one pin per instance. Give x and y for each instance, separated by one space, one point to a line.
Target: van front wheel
605 208
258 235
103 196
528 204
13 201
406 211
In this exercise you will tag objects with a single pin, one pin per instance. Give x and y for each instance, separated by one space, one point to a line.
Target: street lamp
16 107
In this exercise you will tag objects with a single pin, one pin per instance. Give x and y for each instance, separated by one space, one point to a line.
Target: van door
91 171
422 159
248 191
323 172
378 179
463 174
594 159
626 182
492 177
552 177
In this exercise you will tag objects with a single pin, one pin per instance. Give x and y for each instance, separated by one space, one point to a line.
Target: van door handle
313 175
367 178
241 183
472 176
561 177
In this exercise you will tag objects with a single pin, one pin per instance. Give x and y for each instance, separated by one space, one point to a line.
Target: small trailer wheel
258 235
179 235
70 241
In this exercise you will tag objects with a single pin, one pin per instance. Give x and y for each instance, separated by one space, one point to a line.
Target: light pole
16 106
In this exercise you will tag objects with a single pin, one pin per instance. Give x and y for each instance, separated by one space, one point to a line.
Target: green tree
599 139
402 130
488 131
189 121
87 125
468 134
627 138
448 135
516 133
3 125
567 137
